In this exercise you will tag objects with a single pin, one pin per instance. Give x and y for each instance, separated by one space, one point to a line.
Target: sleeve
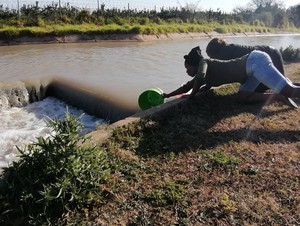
199 79
202 68
189 85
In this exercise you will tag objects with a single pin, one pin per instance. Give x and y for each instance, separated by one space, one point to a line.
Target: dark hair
193 57
214 46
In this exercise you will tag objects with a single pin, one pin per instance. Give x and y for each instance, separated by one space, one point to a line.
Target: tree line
270 13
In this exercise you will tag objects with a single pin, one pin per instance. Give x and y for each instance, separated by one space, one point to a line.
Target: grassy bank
13 32
210 161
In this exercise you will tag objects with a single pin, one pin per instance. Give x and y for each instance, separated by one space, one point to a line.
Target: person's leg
290 91
260 70
277 60
267 98
248 94
264 71
250 85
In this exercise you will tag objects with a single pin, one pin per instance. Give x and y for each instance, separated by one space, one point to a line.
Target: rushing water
19 126
122 69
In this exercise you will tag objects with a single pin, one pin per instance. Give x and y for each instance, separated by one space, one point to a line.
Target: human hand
185 96
188 97
164 95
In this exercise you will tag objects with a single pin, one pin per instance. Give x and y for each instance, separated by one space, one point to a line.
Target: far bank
85 38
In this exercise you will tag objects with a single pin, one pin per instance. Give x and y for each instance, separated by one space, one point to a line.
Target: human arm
183 89
199 79
198 72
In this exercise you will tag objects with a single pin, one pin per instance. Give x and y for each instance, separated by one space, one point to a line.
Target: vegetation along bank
59 21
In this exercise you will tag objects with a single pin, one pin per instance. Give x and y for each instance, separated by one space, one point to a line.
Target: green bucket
150 98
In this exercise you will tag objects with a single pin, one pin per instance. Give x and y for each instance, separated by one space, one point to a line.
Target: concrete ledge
100 135
79 38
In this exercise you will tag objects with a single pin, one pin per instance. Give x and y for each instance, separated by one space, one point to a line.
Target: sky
223 5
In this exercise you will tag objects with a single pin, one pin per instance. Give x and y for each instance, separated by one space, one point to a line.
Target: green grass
12 32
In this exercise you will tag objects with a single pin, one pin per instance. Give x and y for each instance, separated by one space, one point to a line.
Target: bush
158 20
9 33
83 16
144 21
136 30
54 175
290 54
119 20
221 30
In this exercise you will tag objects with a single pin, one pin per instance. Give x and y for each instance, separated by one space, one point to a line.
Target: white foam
20 126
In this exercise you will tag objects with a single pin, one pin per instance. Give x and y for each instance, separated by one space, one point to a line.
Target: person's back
233 51
218 48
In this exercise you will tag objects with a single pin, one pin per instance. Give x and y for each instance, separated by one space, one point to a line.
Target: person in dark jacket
218 48
249 70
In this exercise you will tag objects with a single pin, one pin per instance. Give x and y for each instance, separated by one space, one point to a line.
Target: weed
217 160
226 203
168 194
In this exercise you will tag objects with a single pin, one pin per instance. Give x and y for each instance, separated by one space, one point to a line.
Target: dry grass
211 161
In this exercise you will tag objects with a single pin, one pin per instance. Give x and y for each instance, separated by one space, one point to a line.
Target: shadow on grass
194 125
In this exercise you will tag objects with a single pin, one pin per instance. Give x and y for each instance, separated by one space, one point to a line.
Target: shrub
84 16
158 20
290 54
9 33
221 30
136 30
144 21
119 20
53 175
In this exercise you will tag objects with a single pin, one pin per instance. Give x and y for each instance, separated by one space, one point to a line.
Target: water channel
118 71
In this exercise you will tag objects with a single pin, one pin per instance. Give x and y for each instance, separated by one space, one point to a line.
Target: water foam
21 126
